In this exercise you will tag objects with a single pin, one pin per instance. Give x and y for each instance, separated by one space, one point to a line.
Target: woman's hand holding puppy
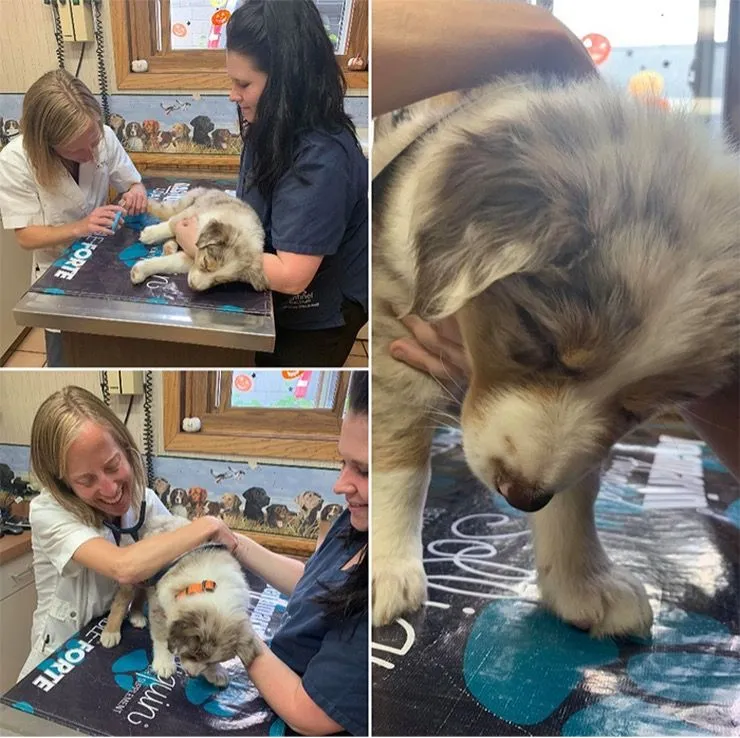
220 532
435 348
186 235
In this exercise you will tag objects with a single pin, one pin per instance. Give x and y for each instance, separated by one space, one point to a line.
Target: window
180 39
287 415
197 24
673 52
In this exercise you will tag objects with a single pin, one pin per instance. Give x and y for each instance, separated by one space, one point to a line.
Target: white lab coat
68 594
24 203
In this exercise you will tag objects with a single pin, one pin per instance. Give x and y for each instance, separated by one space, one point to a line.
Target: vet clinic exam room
515 590
235 502
116 115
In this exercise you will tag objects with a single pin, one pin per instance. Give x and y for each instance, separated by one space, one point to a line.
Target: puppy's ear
214 234
491 205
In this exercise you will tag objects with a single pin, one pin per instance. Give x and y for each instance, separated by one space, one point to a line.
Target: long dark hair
350 599
286 40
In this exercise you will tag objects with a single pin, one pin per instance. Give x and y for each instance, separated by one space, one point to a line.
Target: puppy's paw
110 639
610 603
137 619
399 586
150 235
216 675
256 277
164 665
170 247
137 274
249 647
199 281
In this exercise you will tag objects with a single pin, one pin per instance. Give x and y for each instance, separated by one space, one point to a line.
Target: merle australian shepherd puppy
588 245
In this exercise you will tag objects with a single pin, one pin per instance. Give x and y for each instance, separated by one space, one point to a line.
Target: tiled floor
32 353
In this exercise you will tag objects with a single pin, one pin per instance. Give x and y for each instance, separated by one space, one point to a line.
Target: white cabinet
17 605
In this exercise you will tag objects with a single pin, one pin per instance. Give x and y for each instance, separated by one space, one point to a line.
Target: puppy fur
229 245
588 246
203 629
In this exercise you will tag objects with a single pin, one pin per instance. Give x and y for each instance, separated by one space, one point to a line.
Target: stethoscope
133 531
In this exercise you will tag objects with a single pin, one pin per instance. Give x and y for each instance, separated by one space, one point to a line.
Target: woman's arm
290 273
141 560
280 572
716 419
426 47
41 237
286 272
283 690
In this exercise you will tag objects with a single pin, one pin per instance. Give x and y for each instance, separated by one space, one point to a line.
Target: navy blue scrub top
319 207
330 656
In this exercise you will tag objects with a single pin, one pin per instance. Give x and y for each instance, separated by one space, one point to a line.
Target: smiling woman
314 675
84 521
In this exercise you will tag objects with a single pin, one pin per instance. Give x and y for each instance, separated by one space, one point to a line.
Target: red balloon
598 47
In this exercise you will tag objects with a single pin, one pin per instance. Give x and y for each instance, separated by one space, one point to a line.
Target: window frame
303 435
134 29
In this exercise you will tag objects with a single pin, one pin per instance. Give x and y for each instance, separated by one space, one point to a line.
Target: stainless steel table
119 333
16 722
140 335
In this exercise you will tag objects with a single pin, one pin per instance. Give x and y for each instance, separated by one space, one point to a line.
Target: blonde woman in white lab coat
85 523
55 176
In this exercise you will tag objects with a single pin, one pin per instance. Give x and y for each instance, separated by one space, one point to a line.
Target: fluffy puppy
197 611
230 241
587 245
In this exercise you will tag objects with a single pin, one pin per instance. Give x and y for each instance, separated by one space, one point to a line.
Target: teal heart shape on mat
521 662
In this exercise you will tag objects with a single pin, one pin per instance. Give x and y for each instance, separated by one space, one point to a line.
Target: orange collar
207 585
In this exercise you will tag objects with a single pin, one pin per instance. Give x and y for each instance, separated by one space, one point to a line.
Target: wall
28 49
281 480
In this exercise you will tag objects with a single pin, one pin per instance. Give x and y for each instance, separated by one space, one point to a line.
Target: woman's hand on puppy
134 200
220 532
186 235
435 348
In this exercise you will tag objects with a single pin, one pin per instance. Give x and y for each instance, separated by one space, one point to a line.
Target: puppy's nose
521 494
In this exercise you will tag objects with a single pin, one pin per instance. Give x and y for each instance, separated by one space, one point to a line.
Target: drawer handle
26 574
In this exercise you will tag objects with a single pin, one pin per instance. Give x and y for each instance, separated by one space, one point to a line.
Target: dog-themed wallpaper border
262 498
172 124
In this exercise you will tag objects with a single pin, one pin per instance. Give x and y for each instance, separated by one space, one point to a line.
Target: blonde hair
56 109
55 427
